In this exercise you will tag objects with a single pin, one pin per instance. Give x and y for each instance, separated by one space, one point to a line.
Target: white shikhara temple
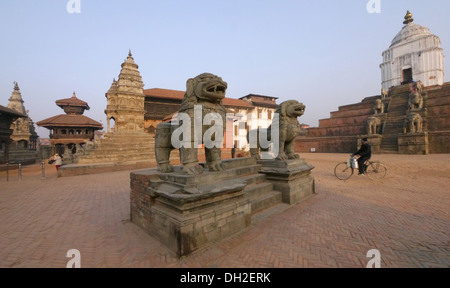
414 55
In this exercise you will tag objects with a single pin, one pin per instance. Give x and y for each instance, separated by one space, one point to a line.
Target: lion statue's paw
192 169
282 156
166 168
216 166
293 156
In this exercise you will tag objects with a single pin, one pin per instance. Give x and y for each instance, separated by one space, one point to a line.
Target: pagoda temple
71 133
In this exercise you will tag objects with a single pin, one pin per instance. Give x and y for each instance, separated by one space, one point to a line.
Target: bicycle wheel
376 170
342 171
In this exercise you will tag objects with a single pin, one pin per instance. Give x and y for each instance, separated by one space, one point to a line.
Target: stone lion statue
372 125
288 127
415 101
378 107
207 92
413 123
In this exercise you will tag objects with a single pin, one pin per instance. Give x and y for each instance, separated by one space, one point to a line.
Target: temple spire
408 18
129 53
74 95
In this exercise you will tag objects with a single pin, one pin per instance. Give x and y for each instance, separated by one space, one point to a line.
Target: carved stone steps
265 201
262 196
254 179
265 214
255 191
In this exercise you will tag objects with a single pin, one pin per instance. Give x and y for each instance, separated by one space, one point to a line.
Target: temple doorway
407 76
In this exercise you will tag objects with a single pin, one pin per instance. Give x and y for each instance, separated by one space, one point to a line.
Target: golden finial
408 18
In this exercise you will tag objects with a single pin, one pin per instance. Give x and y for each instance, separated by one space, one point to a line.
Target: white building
414 55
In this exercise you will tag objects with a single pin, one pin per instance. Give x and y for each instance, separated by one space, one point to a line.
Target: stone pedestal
187 212
374 140
415 143
292 178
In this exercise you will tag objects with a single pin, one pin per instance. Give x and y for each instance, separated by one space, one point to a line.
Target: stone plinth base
187 212
416 143
86 169
292 178
374 140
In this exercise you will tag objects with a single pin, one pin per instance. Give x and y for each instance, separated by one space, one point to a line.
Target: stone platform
292 178
187 212
94 168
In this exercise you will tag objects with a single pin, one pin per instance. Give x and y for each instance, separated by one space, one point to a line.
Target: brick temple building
412 114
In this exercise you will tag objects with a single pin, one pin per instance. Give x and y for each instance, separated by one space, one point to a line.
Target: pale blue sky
323 53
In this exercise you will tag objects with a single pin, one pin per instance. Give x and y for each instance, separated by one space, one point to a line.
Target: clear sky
323 53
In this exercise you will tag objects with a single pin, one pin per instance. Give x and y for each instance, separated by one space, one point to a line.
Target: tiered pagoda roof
74 117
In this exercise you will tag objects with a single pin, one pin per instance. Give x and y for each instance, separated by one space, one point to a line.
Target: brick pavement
42 219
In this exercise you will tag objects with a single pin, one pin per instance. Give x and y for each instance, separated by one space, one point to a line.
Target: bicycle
375 170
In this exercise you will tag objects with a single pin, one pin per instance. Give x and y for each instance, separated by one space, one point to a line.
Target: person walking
58 161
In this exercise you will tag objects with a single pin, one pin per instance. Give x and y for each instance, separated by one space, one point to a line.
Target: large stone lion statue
207 92
413 123
288 129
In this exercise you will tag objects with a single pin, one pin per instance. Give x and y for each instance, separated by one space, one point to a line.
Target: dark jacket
364 151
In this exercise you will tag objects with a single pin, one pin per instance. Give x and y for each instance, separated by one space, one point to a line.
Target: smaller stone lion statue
415 101
206 91
372 125
413 123
378 107
288 129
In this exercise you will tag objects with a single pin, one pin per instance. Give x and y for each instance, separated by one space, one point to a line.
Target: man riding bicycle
364 153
